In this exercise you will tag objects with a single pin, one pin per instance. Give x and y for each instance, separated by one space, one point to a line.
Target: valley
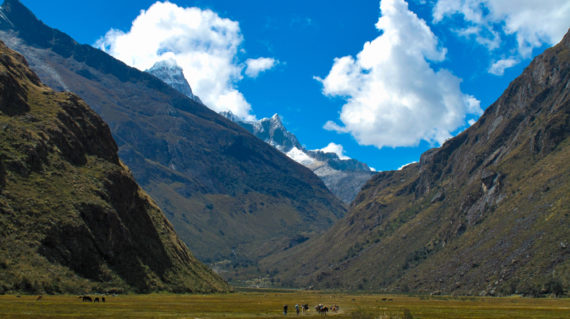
230 196
123 183
269 304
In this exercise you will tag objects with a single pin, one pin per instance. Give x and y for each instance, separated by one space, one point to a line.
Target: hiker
285 310
297 309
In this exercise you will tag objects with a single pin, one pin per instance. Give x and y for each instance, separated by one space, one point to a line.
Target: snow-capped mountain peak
276 119
342 175
172 74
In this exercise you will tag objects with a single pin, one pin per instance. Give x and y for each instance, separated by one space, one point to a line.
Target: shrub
555 287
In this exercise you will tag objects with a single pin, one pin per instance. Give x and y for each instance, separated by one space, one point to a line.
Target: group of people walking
298 308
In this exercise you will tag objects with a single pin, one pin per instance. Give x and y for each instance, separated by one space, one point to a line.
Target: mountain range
72 218
344 177
487 213
230 197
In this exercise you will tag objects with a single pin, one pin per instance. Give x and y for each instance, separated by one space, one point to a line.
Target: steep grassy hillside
72 218
229 195
486 213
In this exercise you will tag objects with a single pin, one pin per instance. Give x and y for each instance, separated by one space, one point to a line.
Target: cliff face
486 213
230 196
72 218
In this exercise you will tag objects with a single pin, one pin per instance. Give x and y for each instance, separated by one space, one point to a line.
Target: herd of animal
83 298
89 299
320 308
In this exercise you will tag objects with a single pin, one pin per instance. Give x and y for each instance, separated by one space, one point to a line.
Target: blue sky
424 74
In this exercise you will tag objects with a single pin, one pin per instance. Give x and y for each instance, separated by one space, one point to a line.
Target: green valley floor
269 304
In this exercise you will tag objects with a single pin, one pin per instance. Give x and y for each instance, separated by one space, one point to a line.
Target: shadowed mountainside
486 213
343 177
230 196
72 218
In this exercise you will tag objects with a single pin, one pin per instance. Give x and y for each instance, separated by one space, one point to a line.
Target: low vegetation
269 304
72 218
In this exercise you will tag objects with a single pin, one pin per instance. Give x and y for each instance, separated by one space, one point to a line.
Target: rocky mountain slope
171 73
72 218
344 177
487 213
230 196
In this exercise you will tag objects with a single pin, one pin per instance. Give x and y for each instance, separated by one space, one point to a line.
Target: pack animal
322 309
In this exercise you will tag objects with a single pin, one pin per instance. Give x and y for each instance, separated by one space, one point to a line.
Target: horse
305 307
96 299
39 298
86 299
102 299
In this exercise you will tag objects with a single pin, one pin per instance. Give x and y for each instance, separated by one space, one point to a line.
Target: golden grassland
269 304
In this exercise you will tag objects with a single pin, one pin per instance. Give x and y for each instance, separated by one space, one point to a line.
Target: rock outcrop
172 74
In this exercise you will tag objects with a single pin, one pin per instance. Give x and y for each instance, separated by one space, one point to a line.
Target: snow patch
300 157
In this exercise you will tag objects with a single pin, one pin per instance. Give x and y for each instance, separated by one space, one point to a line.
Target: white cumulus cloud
534 23
393 96
256 66
498 68
335 148
204 44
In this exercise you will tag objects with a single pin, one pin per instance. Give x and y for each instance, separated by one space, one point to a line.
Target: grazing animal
305 307
39 298
102 299
96 299
87 299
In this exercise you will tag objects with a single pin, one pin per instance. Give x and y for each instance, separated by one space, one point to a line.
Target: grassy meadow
269 304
